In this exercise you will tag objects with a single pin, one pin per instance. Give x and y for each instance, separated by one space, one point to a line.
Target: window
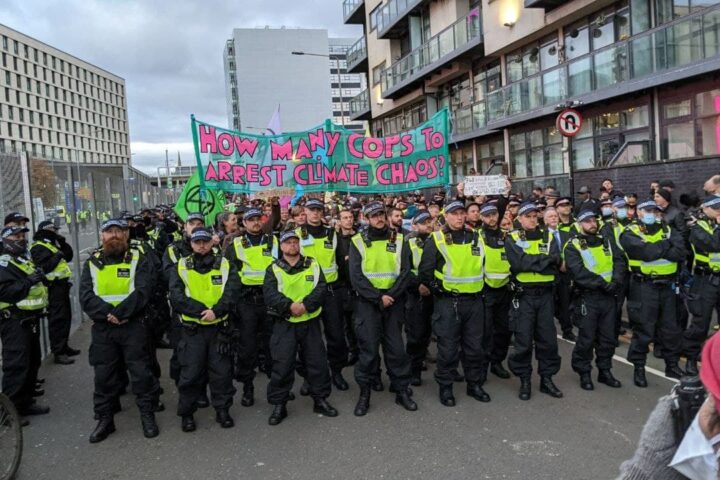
536 153
377 73
490 155
689 124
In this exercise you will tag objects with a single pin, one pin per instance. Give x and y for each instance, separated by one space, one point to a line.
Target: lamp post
339 82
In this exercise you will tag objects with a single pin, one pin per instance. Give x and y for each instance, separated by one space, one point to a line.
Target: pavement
585 435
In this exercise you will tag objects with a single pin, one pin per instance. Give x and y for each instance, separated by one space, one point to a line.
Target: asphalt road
585 435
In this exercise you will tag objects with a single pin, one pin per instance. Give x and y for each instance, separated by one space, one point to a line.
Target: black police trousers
532 322
705 294
375 326
348 299
463 334
497 313
418 328
114 348
595 318
200 365
287 339
59 315
562 302
333 320
652 309
252 320
20 359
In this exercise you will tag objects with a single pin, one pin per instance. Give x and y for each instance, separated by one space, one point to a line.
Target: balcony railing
391 12
469 118
356 54
684 42
350 7
359 104
441 45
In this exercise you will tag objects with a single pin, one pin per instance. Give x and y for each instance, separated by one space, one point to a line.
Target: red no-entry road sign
569 122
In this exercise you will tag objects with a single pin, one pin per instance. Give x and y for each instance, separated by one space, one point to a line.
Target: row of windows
59 153
74 113
68 96
59 64
23 132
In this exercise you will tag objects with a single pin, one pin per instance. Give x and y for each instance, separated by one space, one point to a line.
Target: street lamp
337 66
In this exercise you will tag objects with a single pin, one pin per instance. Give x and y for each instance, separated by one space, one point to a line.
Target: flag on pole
274 127
191 200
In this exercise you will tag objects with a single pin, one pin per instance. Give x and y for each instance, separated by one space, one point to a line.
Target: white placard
485 185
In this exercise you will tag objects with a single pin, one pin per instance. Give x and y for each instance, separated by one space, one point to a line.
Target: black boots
187 424
339 382
498 370
569 336
403 399
691 368
525 388
278 414
672 370
476 391
149 426
606 377
547 386
586 381
324 408
63 359
363 403
446 395
248 396
105 427
639 376
223 417
377 385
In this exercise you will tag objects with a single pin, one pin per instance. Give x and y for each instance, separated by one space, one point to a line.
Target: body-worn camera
688 396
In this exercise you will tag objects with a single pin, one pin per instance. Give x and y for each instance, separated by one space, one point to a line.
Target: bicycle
11 439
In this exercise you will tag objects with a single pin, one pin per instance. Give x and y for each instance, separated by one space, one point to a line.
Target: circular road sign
569 122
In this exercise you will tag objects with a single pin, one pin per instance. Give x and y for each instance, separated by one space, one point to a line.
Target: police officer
597 267
562 283
534 258
294 288
654 251
115 287
704 293
419 306
346 230
203 289
612 229
251 253
379 268
563 206
452 267
320 242
497 289
52 254
23 299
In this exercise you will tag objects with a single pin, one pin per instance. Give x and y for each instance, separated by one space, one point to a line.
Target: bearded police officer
654 251
452 266
597 267
251 253
379 268
419 306
534 258
320 242
704 293
203 289
497 289
115 287
52 254
294 290
23 299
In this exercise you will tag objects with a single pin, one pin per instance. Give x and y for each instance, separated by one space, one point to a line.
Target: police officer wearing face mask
654 251
115 288
704 293
23 299
612 229
203 289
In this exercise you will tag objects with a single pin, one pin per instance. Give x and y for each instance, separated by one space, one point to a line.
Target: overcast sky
168 51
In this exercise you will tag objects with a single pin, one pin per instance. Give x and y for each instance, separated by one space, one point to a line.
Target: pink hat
710 371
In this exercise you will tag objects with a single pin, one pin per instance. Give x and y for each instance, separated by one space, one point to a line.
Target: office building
55 105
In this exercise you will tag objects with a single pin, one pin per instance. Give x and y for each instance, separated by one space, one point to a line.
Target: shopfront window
690 125
536 153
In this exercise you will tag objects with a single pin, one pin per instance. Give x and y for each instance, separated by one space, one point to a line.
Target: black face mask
15 247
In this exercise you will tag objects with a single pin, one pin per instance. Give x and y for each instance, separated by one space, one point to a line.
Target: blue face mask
622 213
648 218
607 212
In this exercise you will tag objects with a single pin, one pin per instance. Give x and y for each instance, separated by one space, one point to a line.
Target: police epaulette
269 243
303 232
244 241
218 262
307 262
393 237
366 238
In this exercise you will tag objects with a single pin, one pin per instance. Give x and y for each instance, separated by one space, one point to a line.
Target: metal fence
77 197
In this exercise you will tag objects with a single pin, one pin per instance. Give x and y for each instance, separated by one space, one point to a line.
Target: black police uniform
563 290
418 316
347 295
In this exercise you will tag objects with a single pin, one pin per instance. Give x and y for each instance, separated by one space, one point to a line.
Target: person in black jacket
52 254
115 287
203 288
20 280
597 267
345 234
294 290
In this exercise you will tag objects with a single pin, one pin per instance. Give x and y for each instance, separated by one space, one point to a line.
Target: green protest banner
325 158
192 200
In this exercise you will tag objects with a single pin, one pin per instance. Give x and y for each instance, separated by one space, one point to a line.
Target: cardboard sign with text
485 185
